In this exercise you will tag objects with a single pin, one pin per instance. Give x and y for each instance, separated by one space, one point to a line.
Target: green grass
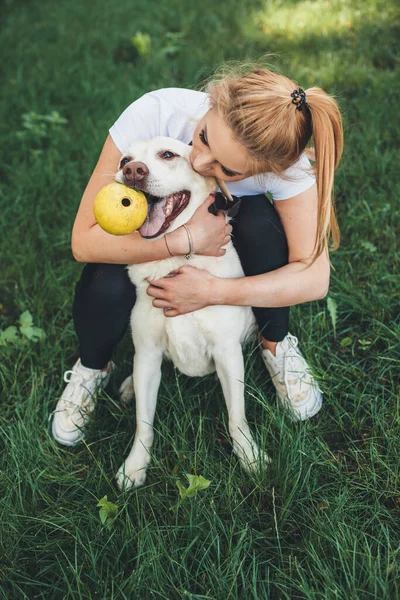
322 522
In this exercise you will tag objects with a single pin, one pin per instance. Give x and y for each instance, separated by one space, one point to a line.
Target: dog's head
161 168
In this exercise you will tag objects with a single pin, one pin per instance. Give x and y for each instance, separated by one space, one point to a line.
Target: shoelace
77 380
294 362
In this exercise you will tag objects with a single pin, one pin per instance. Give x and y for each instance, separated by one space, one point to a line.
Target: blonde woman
250 131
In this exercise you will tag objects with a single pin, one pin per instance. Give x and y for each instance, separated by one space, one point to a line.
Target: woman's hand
209 233
184 290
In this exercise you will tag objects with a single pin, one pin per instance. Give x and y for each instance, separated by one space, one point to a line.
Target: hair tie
299 98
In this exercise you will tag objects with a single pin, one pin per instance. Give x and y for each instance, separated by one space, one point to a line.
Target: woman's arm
294 283
90 243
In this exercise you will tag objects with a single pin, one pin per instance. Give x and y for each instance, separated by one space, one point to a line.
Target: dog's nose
135 171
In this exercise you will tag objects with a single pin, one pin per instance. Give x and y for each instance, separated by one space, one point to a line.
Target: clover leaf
196 483
34 334
108 512
26 319
9 335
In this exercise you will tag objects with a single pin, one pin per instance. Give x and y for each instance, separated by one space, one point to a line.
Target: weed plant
322 521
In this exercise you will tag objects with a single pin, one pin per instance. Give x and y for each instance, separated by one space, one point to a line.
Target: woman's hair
257 106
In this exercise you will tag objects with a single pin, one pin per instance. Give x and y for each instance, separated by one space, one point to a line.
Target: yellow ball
120 210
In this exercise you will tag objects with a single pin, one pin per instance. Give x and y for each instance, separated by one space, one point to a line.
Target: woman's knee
106 283
259 237
257 216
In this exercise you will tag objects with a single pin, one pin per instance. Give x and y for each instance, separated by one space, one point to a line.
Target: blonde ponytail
260 109
327 134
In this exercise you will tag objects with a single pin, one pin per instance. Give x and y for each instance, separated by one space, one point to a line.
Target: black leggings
104 295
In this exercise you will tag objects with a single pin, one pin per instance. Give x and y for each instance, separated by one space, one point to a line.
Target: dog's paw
130 478
251 458
126 390
258 461
132 473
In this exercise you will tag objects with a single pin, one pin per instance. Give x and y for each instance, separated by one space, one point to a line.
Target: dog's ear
224 189
231 207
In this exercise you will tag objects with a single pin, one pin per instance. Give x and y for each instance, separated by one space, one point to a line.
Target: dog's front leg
230 369
146 381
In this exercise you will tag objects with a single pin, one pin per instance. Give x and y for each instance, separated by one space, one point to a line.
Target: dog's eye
123 162
168 155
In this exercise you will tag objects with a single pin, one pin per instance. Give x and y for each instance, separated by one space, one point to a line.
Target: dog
198 343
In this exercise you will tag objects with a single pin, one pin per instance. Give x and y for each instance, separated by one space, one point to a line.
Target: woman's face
215 152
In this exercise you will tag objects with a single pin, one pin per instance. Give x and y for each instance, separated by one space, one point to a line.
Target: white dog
198 343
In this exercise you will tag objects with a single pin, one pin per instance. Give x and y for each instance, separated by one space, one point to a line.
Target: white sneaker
292 377
77 402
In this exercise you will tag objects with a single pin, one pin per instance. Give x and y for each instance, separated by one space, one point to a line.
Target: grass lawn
322 521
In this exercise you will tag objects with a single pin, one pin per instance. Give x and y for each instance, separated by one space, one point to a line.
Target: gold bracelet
189 255
166 243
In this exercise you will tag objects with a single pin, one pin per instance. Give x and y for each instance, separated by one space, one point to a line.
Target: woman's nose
202 162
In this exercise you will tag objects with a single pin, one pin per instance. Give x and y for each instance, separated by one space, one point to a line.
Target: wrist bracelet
189 255
166 243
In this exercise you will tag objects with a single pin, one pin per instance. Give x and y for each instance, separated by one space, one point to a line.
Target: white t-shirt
175 112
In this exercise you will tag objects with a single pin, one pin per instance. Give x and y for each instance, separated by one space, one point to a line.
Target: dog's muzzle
162 211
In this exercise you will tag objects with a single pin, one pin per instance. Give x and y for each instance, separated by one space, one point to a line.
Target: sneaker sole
65 441
299 415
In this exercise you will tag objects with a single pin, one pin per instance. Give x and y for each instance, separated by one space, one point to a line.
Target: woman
250 131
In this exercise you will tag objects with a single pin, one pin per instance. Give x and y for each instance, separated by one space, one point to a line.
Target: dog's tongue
154 220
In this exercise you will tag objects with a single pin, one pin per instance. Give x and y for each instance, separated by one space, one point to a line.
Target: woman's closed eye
203 138
227 172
